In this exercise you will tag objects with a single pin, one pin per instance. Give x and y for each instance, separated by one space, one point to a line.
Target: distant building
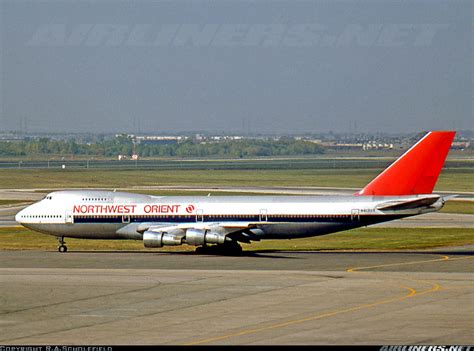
460 145
377 146
160 139
348 146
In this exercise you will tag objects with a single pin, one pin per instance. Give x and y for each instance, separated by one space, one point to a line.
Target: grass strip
18 238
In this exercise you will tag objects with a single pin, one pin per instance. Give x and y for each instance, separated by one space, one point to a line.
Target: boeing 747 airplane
218 224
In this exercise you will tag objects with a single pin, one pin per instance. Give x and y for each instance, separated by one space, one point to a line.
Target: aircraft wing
228 226
239 231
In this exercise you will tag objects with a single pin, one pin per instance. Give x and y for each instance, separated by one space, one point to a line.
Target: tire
233 249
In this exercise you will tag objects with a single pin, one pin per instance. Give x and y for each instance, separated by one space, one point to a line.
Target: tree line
124 145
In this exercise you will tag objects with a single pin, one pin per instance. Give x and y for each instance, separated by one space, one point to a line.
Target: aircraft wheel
238 250
231 249
62 248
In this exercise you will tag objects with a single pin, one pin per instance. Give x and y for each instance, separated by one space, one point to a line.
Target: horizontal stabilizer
409 204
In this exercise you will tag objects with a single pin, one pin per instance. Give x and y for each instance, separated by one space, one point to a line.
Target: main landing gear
231 248
61 246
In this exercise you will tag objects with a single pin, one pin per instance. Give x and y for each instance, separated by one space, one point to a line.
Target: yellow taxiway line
411 293
444 258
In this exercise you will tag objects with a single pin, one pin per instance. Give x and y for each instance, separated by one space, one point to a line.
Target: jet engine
175 236
159 239
198 237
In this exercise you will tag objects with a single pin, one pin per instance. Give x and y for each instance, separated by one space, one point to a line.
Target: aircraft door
68 217
355 215
263 215
199 216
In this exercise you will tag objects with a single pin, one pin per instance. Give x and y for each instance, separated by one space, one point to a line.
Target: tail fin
416 171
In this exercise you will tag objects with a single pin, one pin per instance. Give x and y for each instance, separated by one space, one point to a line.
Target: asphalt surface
260 298
432 220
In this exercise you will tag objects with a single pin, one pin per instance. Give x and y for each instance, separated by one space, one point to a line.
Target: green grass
455 179
464 207
125 178
358 239
376 239
19 238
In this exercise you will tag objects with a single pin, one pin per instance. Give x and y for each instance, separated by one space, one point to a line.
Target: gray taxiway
259 298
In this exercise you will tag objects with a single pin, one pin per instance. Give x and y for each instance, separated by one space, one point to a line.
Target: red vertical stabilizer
416 171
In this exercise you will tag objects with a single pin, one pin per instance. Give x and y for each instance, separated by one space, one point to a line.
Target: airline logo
129 209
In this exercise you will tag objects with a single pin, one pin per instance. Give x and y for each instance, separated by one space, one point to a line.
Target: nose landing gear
61 247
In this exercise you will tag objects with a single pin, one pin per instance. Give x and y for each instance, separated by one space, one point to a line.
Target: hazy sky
267 66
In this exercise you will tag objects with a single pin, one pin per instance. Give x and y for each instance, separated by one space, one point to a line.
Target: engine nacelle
198 237
159 239
195 237
214 238
152 239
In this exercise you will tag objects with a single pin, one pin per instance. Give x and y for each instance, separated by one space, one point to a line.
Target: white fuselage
118 215
402 189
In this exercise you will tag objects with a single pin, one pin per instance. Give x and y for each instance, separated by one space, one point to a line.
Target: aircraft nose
19 215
